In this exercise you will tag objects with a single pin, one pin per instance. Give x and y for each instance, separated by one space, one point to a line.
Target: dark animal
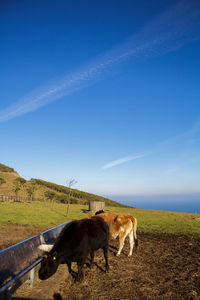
76 241
99 212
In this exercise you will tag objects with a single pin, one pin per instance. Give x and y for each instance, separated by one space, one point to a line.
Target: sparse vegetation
73 194
70 183
31 190
17 185
50 195
2 181
4 168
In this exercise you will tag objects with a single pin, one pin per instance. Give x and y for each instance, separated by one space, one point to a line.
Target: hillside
43 190
4 168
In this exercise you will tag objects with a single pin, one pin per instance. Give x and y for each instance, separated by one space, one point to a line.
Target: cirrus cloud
120 161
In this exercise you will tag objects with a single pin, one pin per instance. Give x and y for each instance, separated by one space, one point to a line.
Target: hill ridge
4 168
45 190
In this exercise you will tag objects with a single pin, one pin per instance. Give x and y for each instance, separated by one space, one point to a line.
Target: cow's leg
92 258
122 237
105 251
70 269
69 264
80 264
131 242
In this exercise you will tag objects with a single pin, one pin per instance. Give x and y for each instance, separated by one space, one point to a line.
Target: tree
31 190
21 180
62 198
49 195
17 185
2 181
70 183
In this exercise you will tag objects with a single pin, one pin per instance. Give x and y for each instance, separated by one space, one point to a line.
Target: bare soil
13 233
164 266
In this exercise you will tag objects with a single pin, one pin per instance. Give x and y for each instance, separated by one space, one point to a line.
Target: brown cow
121 225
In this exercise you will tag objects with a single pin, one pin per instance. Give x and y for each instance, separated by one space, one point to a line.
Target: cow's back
109 218
98 232
117 222
82 236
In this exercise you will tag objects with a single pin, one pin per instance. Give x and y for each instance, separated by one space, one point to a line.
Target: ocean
189 203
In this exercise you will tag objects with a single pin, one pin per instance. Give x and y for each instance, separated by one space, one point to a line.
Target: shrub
50 195
2 181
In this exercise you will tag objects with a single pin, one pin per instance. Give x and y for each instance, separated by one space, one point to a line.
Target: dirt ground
164 266
12 233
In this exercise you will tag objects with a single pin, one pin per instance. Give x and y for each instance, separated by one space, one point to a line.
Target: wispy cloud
182 143
171 171
168 32
123 160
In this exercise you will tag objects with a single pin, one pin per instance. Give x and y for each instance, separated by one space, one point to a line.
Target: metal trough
21 259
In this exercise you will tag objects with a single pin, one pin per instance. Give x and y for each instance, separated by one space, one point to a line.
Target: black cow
76 241
99 212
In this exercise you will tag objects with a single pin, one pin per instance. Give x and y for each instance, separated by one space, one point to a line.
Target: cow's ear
115 219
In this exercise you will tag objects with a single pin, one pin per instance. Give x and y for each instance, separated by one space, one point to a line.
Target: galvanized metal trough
18 262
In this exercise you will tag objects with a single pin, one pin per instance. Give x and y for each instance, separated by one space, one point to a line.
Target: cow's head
48 267
49 264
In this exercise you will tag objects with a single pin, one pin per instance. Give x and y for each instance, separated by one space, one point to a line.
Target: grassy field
52 214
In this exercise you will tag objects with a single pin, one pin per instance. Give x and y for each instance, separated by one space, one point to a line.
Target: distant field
51 214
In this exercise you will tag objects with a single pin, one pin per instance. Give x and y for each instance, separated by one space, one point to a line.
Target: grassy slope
82 197
5 168
6 188
51 214
9 175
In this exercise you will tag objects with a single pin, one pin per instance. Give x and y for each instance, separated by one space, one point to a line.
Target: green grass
51 214
38 213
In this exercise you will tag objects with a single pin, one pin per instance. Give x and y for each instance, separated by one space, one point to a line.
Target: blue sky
106 92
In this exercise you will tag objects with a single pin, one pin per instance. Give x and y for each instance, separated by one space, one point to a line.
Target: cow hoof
107 268
129 255
57 296
118 254
79 278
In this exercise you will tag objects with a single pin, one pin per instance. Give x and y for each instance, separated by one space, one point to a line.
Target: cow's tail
134 221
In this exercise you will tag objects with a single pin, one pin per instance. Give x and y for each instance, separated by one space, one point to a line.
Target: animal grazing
121 225
76 241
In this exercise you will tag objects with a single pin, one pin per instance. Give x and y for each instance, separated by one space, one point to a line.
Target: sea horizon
189 203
